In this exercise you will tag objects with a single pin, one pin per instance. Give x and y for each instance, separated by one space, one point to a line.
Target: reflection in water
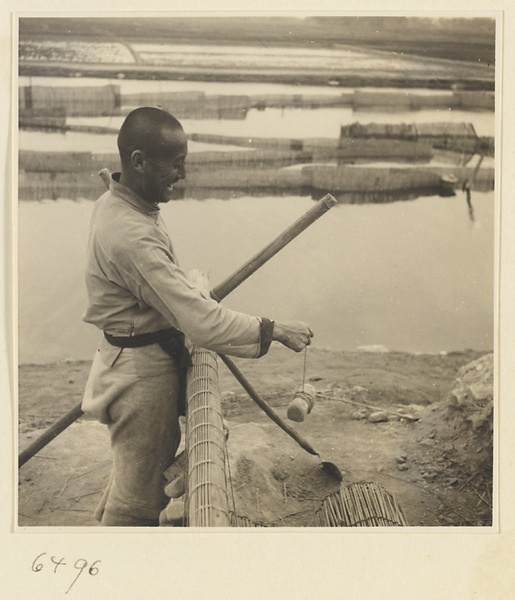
466 188
406 275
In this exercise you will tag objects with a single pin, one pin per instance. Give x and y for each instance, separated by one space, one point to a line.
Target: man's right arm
295 335
148 270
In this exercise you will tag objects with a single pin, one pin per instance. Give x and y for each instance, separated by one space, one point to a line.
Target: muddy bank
379 78
432 466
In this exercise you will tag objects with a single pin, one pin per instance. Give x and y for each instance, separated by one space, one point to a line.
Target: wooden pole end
329 200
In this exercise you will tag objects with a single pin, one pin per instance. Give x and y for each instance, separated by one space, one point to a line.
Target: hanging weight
302 403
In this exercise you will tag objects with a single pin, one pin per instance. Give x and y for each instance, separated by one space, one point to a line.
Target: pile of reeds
207 502
42 118
75 101
363 504
369 179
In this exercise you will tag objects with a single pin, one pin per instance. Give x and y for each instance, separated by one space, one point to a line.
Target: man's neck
126 180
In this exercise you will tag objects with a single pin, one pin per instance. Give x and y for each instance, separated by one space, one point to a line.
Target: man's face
164 166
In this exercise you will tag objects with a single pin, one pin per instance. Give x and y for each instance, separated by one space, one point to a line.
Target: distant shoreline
467 40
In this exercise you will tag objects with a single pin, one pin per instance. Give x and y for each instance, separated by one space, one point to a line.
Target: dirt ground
436 461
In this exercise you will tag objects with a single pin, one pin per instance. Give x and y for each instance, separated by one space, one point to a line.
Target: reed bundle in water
363 504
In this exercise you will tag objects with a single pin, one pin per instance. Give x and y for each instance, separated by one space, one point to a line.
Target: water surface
415 276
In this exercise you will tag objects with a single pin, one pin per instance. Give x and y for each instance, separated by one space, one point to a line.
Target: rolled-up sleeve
146 266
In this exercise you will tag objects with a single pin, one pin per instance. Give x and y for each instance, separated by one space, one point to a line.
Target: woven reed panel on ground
363 504
239 521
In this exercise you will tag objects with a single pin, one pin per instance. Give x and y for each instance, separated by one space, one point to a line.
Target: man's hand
295 335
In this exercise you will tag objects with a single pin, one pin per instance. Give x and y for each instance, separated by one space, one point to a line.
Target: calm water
416 276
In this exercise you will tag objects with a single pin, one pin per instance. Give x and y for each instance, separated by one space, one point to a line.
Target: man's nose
182 172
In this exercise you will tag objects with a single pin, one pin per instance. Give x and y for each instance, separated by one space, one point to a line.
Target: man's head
153 148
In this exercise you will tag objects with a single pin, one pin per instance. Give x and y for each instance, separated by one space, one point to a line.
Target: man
142 301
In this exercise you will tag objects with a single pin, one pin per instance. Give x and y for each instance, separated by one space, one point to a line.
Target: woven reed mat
363 504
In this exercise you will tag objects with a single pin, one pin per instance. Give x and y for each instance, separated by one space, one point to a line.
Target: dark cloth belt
171 341
143 339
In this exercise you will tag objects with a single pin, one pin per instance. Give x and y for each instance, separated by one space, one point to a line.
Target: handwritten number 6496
80 564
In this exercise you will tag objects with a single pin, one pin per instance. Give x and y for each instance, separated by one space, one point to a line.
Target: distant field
471 40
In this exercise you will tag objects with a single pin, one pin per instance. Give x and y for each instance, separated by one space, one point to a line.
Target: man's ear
137 160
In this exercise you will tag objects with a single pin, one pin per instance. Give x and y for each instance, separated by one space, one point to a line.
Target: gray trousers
135 391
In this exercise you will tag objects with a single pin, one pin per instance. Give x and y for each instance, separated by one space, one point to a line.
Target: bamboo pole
218 293
257 261
49 434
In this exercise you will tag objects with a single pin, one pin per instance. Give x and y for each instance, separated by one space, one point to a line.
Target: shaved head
144 129
153 149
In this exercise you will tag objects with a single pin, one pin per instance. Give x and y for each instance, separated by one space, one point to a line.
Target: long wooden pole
52 432
252 265
218 293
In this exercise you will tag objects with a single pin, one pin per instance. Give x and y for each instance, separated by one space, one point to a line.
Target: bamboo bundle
52 186
420 101
322 101
400 131
363 504
106 161
207 504
246 178
364 179
434 130
396 100
379 149
25 97
42 118
213 138
162 98
249 142
411 131
383 197
31 160
94 100
193 104
483 180
272 101
220 102
259 158
475 100
320 143
300 101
